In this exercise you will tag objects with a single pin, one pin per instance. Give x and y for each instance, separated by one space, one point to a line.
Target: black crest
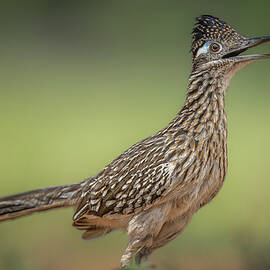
208 27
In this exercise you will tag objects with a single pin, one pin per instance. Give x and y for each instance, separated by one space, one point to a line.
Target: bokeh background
81 81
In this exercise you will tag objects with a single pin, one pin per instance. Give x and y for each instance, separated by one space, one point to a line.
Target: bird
153 189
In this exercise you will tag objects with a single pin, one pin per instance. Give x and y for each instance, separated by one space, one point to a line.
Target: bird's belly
208 184
201 192
209 188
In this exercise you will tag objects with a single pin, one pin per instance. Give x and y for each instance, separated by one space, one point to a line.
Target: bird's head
217 45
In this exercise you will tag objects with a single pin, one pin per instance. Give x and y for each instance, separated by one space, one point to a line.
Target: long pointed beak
252 42
247 44
252 57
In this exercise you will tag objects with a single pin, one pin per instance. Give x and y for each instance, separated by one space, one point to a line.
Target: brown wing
137 178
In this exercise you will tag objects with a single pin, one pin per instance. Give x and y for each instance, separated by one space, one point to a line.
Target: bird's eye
215 47
209 47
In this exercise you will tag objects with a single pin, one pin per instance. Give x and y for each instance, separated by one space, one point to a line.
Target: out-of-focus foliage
81 81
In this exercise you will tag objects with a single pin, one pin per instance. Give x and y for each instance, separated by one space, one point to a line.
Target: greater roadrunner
153 189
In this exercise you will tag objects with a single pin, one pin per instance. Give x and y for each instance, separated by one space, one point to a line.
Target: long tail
26 203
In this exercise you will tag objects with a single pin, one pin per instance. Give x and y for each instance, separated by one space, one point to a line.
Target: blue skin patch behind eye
205 48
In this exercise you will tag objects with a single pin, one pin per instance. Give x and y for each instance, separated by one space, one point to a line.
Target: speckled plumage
146 172
153 189
212 28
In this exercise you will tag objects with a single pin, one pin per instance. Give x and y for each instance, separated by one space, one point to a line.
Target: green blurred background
81 81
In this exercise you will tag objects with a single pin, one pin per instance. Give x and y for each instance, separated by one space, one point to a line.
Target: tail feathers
26 203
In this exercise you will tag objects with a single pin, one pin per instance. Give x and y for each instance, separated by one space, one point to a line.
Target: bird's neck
205 101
